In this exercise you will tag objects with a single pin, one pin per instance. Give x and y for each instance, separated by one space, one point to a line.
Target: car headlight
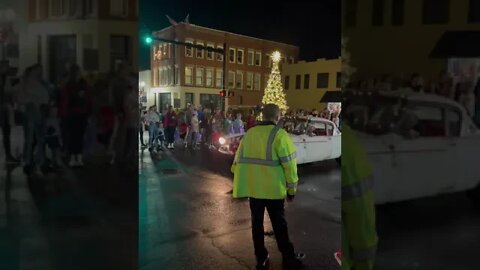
222 140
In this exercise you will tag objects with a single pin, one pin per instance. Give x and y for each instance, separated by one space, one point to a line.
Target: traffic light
223 93
148 40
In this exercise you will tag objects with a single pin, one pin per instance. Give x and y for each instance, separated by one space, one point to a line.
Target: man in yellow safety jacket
358 206
265 169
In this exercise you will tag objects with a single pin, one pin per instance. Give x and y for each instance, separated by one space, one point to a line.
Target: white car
420 145
316 139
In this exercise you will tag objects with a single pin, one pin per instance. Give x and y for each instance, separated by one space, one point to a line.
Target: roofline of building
225 32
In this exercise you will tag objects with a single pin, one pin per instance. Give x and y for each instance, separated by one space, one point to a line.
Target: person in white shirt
153 118
194 129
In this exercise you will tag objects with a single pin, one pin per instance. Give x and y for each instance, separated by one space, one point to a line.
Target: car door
319 145
424 164
465 147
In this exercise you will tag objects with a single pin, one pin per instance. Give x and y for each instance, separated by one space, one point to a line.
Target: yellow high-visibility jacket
359 237
265 165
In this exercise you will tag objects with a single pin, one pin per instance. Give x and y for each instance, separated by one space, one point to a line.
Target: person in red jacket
170 123
251 121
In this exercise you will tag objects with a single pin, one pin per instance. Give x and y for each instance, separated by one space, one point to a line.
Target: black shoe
264 264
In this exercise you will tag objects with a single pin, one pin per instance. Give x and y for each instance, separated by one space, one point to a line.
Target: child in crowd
238 125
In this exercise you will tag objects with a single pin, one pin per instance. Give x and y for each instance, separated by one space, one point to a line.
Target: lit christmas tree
274 93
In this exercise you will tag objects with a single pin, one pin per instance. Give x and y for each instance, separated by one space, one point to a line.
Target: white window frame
125 7
249 81
219 56
237 56
191 75
252 63
170 75
219 78
231 72
212 78
259 53
187 49
211 45
199 43
230 55
257 86
202 75
239 80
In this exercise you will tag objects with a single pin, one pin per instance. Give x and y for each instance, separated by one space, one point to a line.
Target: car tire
474 194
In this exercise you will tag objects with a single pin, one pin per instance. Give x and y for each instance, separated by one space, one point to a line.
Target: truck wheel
474 194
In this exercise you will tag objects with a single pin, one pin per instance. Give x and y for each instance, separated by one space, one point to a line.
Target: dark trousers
170 132
6 130
276 212
78 127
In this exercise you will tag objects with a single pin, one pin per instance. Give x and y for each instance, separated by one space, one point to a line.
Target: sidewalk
72 219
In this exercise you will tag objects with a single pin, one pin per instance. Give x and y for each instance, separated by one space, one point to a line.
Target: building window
377 14
73 7
249 81
120 49
474 11
199 52
240 56
210 53
188 75
189 98
231 55
177 75
256 85
209 77
119 8
258 59
322 80
219 78
219 55
199 76
287 82
268 60
339 80
291 60
239 80
189 49
398 12
58 8
306 81
250 57
231 79
436 11
90 7
298 81
351 13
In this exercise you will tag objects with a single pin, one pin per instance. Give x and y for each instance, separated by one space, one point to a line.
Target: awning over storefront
332 96
457 44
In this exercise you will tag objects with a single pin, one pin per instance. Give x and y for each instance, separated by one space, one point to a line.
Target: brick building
95 34
183 75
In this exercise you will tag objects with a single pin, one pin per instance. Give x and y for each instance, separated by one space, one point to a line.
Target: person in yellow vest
359 236
265 169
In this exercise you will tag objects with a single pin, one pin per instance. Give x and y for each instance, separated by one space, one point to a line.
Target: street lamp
148 40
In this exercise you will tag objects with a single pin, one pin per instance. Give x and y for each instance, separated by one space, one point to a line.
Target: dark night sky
312 25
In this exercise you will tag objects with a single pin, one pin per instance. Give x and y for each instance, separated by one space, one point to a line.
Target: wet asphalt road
433 233
188 219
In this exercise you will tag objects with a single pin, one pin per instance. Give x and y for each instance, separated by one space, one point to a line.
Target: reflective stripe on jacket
265 165
358 206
